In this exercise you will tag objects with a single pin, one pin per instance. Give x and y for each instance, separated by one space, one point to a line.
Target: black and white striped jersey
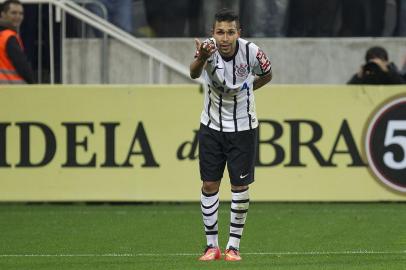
229 103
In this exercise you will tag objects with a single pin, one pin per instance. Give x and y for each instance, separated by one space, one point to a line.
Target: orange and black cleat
232 254
210 254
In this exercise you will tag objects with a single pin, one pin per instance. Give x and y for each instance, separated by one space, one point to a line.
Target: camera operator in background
377 69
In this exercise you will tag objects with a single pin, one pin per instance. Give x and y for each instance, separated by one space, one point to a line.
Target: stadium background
118 187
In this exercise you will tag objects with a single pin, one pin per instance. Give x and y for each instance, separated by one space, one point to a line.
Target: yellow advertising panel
138 143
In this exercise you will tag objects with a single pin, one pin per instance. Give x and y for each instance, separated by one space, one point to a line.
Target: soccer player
232 68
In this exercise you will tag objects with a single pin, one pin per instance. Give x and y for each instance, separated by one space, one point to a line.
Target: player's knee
210 187
238 188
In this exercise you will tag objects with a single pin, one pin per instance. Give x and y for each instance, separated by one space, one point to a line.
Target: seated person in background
377 69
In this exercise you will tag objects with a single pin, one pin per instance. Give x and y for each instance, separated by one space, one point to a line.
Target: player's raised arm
203 52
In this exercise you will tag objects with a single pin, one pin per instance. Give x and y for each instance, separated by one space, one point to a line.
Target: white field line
197 211
288 253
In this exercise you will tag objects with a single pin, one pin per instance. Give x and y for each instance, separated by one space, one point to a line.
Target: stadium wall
138 143
294 60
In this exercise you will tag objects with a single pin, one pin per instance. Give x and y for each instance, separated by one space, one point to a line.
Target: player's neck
231 55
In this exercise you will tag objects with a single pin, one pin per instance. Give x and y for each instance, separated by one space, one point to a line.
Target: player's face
14 15
226 35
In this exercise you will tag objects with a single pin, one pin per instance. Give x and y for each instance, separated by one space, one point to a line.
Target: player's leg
209 204
241 162
238 215
212 163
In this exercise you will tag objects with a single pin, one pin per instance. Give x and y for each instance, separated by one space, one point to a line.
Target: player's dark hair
226 15
6 5
376 52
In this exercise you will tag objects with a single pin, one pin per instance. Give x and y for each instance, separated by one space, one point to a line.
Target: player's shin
209 205
239 209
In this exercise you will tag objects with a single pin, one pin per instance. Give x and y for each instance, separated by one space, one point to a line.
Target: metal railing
104 67
84 15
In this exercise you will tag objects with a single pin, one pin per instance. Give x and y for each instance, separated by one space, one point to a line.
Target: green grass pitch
170 236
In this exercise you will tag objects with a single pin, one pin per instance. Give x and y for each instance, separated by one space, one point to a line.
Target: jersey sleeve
261 63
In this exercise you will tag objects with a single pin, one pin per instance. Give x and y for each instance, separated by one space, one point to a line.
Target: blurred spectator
119 13
402 18
14 66
207 10
314 18
390 18
36 18
29 33
193 18
168 18
260 18
141 26
267 18
377 69
403 70
362 18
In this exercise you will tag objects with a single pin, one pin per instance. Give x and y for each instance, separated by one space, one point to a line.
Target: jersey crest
241 70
